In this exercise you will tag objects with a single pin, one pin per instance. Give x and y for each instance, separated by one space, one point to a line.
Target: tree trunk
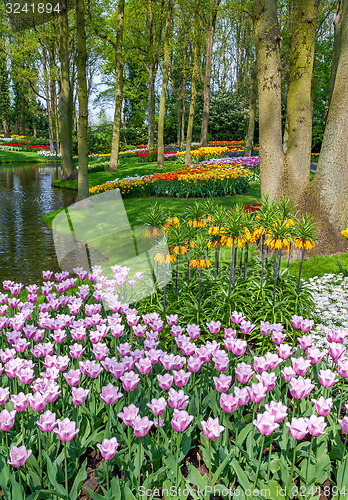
22 115
183 108
296 164
119 89
48 103
207 77
267 42
83 186
252 114
193 85
326 197
64 101
151 107
4 97
335 50
53 93
166 49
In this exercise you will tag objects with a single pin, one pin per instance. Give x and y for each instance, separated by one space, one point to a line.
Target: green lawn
20 157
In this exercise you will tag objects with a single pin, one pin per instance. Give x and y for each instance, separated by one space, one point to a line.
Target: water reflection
26 242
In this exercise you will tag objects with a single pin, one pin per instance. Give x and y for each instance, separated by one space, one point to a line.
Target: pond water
26 242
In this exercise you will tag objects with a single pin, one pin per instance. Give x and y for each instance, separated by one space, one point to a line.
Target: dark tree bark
252 114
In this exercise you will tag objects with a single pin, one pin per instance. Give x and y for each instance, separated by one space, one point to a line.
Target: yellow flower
165 258
345 232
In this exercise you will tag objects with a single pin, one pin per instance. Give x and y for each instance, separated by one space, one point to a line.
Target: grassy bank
20 157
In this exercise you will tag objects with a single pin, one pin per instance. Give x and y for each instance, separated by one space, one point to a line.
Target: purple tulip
66 430
288 373
230 333
305 342
108 448
129 413
246 327
37 401
278 337
73 377
20 401
237 317
336 335
165 381
284 351
144 366
47 421
242 395
336 350
223 382
260 364
316 425
298 428
18 456
342 368
181 377
214 326
278 410
265 423
314 355
76 350
193 331
296 321
265 327
327 378
4 393
181 420
300 365
211 428
172 319
344 424
239 347
228 403
177 399
243 373
157 406
141 426
110 394
268 380
194 364
322 406
306 325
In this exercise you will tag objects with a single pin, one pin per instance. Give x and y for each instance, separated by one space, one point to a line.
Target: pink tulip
265 327
193 331
177 399
108 448
66 430
242 395
20 401
141 426
79 395
18 456
336 350
305 342
322 406
306 325
237 317
268 380
172 319
315 355
265 423
278 337
47 421
110 394
72 377
181 377
129 413
26 375
344 424
7 419
181 420
336 335
260 364
158 422
144 366
194 364
228 403
284 351
246 327
327 378
223 382
257 392
239 347
100 351
230 333
165 381
278 410
157 406
300 365
214 326
288 373
37 401
298 427
300 388
342 368
243 373
211 428
296 321
4 393
129 381
316 425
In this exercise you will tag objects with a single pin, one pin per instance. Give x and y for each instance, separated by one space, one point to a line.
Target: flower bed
207 153
76 379
205 180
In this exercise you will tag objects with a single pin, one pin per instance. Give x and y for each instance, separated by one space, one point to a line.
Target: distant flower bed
202 181
44 153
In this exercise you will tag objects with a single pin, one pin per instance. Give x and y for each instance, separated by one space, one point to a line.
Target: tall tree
252 114
213 11
165 77
83 186
195 70
119 89
4 96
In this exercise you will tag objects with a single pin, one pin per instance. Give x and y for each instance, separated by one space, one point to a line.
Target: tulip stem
209 453
40 457
177 459
309 456
293 465
129 443
227 423
269 457
139 482
339 410
66 469
109 423
107 476
259 462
